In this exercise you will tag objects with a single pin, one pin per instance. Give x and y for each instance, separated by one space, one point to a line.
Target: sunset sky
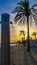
7 6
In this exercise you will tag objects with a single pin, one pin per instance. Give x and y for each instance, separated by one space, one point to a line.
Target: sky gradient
7 6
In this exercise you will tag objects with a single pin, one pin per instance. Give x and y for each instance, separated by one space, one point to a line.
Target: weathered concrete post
5 40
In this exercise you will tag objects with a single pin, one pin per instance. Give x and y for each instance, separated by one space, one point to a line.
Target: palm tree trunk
28 46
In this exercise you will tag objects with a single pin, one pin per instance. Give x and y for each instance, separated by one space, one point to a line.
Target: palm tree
22 33
34 33
23 10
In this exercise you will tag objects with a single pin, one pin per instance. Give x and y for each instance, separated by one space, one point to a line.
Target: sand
19 56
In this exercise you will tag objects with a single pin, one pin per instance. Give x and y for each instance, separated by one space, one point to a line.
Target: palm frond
20 17
21 3
17 19
34 18
17 15
18 9
20 21
22 10
35 12
34 6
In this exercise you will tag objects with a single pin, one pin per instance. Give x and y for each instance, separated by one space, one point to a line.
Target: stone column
5 40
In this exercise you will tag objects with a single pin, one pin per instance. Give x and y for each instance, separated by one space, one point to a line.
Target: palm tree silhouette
22 33
34 33
23 10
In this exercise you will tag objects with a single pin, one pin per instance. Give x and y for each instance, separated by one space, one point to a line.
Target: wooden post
5 39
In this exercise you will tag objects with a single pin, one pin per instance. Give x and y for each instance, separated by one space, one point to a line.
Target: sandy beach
19 55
